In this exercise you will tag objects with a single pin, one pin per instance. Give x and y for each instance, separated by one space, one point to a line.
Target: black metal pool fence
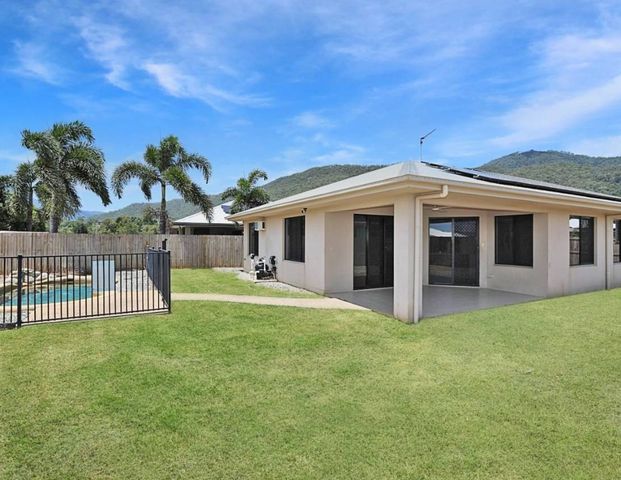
45 288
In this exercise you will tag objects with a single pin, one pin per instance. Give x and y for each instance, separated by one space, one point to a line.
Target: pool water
65 293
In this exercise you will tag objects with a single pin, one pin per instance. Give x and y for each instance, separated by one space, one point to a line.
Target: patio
437 300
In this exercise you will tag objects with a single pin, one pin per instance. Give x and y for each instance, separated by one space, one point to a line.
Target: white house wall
329 251
614 269
339 252
519 279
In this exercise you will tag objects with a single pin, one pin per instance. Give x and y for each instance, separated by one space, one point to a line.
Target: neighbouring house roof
219 217
430 173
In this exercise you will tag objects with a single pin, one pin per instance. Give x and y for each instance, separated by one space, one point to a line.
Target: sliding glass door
373 251
454 251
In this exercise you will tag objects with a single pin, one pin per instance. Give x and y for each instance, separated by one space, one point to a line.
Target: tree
6 183
166 165
66 158
79 225
24 184
246 194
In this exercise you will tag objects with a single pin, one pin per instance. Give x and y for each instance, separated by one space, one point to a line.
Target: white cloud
543 117
107 45
578 76
33 61
16 157
312 120
345 154
404 33
608 146
180 84
580 51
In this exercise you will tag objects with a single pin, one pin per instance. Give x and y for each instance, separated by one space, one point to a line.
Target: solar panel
502 179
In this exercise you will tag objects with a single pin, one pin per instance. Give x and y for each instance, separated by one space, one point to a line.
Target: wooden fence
186 251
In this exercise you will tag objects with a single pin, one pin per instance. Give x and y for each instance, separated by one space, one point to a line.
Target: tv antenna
422 139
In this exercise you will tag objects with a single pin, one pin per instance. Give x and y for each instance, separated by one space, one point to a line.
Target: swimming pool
64 293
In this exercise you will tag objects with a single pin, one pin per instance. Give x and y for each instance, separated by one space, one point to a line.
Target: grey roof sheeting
423 171
502 179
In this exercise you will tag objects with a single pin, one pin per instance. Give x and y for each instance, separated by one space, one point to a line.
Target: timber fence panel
186 251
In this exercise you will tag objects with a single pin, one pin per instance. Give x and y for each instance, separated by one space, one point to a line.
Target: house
419 239
199 224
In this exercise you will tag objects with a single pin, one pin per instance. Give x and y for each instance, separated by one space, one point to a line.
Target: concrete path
322 302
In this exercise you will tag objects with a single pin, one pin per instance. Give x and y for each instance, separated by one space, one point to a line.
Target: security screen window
253 239
514 240
294 238
581 241
616 241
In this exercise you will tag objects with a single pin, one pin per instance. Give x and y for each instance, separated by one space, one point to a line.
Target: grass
225 391
206 280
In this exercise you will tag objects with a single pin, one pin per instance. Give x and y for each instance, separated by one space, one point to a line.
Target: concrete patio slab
437 300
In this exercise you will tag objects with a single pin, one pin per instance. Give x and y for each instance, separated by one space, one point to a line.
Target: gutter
418 248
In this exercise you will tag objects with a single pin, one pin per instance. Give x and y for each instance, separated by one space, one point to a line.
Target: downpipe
607 257
418 248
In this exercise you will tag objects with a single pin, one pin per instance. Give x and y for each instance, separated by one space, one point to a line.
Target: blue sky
285 85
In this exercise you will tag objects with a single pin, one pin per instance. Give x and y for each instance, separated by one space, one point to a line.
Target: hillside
278 188
177 208
600 174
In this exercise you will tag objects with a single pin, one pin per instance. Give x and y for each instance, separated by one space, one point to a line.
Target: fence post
169 284
20 280
164 242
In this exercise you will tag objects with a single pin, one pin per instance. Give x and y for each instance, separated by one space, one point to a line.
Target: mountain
279 188
177 208
88 213
600 174
313 178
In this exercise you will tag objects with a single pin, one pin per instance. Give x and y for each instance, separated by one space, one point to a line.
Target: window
294 239
616 241
514 240
253 239
581 241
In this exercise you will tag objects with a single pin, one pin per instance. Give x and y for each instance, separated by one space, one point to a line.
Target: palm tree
24 185
246 194
166 165
65 159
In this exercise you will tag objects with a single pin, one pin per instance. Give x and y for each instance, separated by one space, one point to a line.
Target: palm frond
170 148
193 160
86 165
72 132
44 145
23 191
189 191
146 174
152 156
257 175
229 193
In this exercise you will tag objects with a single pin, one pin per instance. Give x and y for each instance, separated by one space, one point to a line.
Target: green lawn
206 280
230 391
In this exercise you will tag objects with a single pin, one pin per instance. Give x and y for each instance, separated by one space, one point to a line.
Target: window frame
581 260
288 254
531 260
616 232
253 238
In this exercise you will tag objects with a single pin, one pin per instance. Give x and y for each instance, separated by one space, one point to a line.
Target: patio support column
405 306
